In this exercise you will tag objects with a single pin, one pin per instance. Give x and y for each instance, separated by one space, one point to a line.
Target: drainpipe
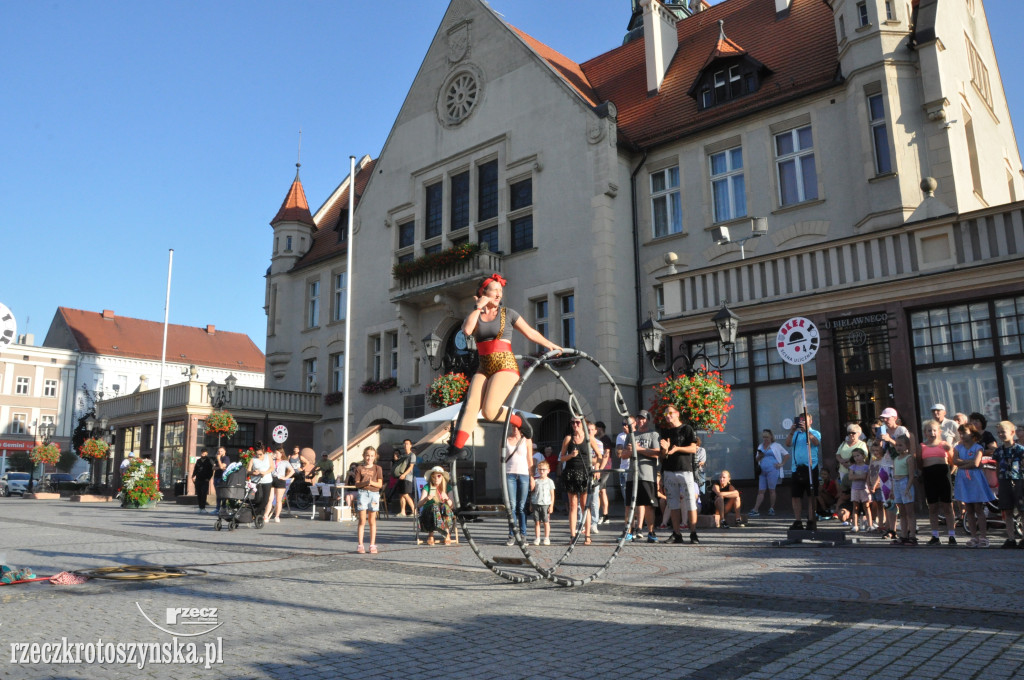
636 279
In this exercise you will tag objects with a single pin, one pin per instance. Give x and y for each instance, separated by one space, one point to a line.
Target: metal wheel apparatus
551 573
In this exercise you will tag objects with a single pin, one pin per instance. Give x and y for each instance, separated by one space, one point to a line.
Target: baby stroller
238 492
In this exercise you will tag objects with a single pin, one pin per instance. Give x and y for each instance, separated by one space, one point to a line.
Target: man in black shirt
678 445
202 473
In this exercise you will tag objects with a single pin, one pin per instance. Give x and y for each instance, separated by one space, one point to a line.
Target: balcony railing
456 279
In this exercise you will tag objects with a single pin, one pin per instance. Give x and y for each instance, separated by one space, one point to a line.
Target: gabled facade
872 136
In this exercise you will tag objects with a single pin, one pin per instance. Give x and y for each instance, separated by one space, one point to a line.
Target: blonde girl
903 469
368 479
435 506
282 471
972 487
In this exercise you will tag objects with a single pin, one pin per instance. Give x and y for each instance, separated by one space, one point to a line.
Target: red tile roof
111 335
294 208
799 49
325 238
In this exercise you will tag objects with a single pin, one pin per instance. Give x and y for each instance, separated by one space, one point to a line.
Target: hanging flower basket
703 399
377 386
47 454
94 449
222 423
140 487
332 398
447 389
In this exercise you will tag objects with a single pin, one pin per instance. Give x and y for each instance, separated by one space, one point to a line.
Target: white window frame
798 157
392 346
338 372
541 318
49 388
377 367
890 10
23 385
19 423
313 303
671 198
659 302
862 14
309 369
567 319
979 73
879 131
730 177
340 281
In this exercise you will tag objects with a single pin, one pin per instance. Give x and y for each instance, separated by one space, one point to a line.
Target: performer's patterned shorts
497 362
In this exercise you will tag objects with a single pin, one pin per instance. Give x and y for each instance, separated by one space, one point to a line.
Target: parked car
51 481
83 478
13 483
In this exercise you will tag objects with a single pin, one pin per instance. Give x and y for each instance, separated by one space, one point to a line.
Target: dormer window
728 82
729 73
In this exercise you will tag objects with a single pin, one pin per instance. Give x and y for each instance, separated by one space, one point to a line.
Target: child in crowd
369 479
828 493
435 506
858 489
1010 457
880 488
936 457
971 485
904 469
543 497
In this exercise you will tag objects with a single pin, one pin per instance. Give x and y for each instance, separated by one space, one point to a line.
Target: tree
67 461
18 461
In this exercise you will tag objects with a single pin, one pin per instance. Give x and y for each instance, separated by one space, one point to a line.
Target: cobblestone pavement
294 600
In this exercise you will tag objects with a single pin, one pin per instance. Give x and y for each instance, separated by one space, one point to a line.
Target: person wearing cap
435 506
948 427
890 429
803 442
647 450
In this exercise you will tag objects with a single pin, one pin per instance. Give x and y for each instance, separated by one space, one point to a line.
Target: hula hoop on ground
551 573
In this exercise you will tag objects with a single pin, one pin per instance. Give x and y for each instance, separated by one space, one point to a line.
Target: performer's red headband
496 278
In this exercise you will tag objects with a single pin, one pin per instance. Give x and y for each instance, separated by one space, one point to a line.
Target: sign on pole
797 341
280 434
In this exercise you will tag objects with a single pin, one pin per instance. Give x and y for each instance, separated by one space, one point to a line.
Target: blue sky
133 127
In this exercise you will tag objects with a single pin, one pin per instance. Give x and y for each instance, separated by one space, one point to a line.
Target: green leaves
447 389
703 399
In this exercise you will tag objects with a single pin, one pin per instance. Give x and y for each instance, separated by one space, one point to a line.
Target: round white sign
8 327
797 341
280 434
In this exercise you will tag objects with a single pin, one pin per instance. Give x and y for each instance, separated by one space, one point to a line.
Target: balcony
193 397
457 280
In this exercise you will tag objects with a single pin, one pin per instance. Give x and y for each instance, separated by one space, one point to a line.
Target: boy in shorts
1010 457
542 497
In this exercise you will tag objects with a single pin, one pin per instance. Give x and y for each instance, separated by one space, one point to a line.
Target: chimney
210 330
660 41
782 6
108 314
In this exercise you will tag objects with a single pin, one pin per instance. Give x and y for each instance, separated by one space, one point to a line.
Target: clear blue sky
129 128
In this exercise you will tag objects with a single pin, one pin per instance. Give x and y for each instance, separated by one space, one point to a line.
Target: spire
294 208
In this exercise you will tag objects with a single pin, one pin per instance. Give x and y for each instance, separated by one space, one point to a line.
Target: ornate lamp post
46 432
220 395
652 334
459 361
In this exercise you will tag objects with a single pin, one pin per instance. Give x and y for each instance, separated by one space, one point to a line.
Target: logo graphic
797 341
180 620
280 434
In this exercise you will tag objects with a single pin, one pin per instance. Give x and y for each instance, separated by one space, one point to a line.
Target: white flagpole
348 314
163 359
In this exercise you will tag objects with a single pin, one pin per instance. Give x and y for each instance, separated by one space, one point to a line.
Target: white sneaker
277 519
594 529
536 541
547 541
511 541
855 529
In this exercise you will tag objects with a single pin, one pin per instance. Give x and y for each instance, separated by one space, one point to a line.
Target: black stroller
241 508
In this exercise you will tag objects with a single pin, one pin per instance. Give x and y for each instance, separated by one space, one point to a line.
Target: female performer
491 324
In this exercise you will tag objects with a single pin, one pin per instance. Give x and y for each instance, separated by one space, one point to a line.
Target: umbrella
452 412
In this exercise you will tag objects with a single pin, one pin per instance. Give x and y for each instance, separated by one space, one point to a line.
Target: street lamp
460 360
758 228
97 430
45 431
652 334
220 396
431 348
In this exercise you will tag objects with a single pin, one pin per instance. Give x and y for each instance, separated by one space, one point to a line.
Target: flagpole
348 314
163 360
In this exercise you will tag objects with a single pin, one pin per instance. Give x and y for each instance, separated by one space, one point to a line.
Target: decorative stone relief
459 95
458 42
